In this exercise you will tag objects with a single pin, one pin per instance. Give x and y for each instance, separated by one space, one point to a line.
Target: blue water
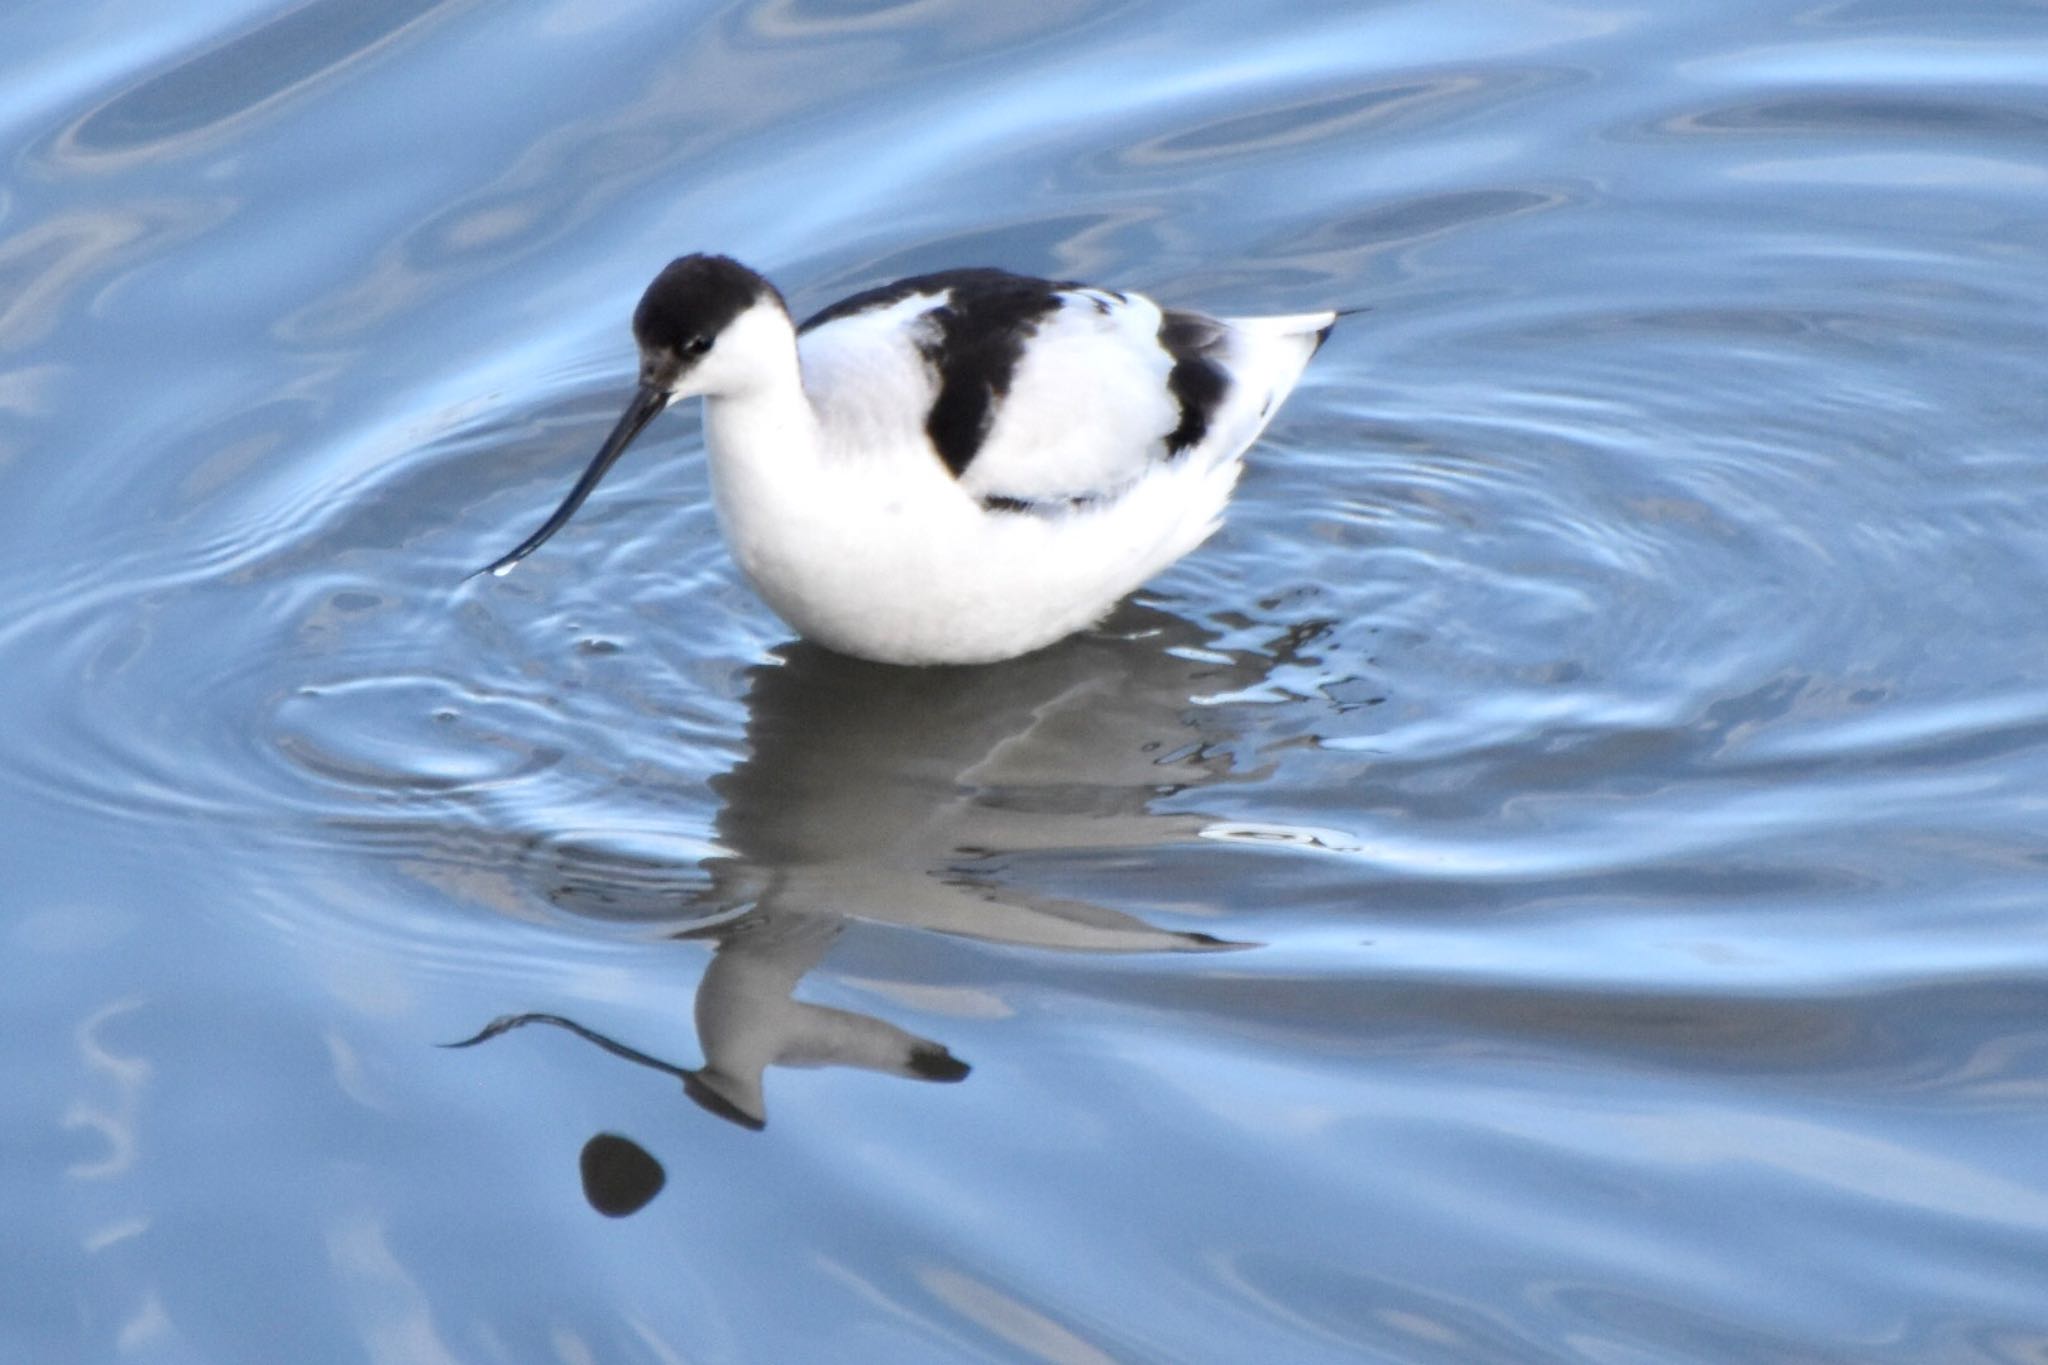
1562 875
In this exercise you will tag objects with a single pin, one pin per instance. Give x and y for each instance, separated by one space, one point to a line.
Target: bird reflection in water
898 796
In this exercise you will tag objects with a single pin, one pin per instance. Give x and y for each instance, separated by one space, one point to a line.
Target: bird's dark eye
697 345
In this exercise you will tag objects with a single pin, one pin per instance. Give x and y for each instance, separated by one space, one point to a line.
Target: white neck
756 415
765 451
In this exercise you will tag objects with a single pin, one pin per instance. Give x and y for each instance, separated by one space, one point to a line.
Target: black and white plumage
958 467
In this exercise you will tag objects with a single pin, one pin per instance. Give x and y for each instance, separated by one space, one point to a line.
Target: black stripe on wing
972 342
1197 381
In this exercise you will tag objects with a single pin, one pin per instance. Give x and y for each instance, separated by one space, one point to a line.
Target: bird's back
1040 395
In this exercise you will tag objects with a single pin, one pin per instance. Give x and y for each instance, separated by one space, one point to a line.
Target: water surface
1560 876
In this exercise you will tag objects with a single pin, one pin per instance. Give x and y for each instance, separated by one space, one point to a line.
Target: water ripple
1558 874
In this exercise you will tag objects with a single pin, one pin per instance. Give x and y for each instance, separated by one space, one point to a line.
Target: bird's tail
1311 328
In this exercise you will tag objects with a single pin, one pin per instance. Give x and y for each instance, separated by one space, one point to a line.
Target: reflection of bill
919 797
748 1022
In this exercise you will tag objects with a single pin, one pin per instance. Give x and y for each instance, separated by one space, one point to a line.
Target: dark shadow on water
902 795
907 797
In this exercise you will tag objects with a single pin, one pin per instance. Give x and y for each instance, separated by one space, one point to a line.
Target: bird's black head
692 301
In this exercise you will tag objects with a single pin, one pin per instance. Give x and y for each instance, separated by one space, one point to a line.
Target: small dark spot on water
1353 692
619 1175
1300 593
598 644
355 601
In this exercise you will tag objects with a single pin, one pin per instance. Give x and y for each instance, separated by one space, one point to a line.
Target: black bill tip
646 406
496 569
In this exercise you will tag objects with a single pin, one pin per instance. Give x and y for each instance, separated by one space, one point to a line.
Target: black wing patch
976 338
1198 381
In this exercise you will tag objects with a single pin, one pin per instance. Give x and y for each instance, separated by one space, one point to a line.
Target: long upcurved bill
646 405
